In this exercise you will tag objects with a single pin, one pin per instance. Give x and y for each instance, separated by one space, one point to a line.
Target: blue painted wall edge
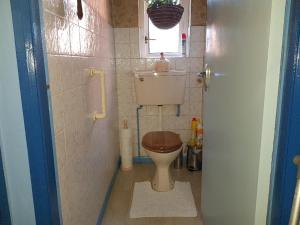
108 194
4 207
33 86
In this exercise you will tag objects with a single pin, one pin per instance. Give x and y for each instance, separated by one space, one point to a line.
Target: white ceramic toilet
163 147
166 88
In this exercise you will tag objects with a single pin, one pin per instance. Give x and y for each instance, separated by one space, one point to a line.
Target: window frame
184 27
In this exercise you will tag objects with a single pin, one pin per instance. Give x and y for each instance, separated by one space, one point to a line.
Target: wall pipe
138 128
178 111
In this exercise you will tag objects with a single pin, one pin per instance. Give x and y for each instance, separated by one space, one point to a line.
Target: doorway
284 171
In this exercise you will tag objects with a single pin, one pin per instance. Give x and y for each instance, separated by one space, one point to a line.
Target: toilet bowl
162 147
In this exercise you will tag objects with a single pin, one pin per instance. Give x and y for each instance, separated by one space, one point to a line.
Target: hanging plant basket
165 16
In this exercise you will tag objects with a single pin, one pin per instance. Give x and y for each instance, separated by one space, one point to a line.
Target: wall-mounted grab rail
100 73
295 212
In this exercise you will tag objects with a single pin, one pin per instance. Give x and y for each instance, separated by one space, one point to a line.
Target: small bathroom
149 112
154 112
126 97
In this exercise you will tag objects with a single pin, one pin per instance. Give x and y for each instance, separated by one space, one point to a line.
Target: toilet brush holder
178 162
194 159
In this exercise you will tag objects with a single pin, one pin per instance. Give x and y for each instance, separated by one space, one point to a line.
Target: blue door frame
284 171
4 207
33 87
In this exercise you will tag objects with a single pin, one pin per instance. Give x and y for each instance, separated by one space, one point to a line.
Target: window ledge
155 56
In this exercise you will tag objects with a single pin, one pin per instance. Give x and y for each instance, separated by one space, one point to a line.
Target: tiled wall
86 151
127 61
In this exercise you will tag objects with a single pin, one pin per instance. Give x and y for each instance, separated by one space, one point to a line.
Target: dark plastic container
194 159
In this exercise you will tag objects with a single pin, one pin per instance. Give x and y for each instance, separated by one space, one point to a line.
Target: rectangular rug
178 202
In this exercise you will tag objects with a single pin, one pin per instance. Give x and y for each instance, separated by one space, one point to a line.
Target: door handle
206 76
295 212
147 39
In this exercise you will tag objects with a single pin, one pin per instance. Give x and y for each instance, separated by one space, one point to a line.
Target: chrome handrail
295 212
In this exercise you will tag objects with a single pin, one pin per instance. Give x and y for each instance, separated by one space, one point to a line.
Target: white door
238 35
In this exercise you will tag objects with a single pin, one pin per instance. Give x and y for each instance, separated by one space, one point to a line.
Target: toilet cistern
160 88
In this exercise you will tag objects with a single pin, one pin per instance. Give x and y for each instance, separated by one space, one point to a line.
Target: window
154 40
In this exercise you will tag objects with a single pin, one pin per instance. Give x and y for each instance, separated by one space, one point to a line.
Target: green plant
158 3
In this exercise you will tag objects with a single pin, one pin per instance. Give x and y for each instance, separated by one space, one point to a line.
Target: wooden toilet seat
161 141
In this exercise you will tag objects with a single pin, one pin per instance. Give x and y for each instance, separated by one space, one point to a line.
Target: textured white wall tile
182 64
125 93
70 10
195 95
58 112
50 32
185 135
121 35
198 34
134 50
196 49
195 81
77 73
123 66
57 7
84 22
203 34
195 33
122 51
151 110
92 19
125 82
196 65
150 64
74 39
86 151
169 110
169 122
183 122
134 35
56 86
185 108
60 144
86 42
63 36
172 63
138 64
65 67
149 123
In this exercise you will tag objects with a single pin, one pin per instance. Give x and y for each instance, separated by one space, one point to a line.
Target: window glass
165 40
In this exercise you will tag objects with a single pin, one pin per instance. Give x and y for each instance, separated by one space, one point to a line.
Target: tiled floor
120 201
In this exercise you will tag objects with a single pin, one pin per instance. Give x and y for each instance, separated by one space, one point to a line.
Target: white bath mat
178 202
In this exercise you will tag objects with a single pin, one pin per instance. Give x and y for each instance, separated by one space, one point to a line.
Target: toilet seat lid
161 141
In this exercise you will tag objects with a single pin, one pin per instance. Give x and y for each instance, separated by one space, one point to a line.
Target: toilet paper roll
126 149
